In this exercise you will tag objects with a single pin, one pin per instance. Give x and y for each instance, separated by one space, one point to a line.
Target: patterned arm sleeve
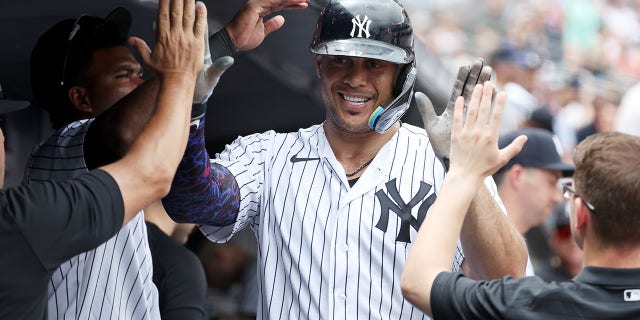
202 192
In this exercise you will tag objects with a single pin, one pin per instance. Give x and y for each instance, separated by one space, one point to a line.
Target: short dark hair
64 51
608 176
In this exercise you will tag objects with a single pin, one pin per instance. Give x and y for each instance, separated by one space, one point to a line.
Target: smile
355 100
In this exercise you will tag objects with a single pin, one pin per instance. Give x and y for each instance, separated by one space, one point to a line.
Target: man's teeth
355 99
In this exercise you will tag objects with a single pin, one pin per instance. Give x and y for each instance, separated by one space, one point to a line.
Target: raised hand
247 30
474 138
439 126
208 77
179 49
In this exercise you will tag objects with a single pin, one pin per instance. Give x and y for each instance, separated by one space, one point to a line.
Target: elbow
410 288
159 179
417 291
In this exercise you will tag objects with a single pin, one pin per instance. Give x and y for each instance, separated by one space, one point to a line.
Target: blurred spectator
540 118
566 259
571 113
516 74
604 114
628 118
528 183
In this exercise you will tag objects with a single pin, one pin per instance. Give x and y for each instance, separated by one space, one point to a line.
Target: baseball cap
63 50
524 57
540 151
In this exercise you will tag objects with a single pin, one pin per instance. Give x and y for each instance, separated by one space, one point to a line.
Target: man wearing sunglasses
605 222
45 223
85 76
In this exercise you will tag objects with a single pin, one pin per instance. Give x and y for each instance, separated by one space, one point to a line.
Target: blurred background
566 65
588 50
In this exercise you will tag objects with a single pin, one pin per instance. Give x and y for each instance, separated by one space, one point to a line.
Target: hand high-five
474 138
179 48
439 127
247 30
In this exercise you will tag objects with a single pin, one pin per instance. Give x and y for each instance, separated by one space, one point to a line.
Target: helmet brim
364 48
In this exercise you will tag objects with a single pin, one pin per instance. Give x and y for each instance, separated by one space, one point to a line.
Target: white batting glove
210 73
439 126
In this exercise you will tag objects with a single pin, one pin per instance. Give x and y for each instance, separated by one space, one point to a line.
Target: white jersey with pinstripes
113 281
328 250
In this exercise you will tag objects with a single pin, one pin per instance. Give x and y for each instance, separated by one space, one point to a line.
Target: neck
598 255
356 147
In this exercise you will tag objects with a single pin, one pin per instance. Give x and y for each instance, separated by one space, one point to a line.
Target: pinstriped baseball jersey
327 250
113 281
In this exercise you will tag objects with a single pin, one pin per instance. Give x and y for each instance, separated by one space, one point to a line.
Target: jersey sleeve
247 158
454 296
63 219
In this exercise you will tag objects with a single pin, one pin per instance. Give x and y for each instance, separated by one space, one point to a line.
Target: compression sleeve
202 192
220 44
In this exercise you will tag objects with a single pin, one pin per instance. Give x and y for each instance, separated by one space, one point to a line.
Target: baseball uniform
112 281
327 250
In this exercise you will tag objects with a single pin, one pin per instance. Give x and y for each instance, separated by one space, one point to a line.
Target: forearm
145 173
493 247
435 245
201 192
119 126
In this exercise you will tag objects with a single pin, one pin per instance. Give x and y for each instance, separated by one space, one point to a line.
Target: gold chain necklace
359 169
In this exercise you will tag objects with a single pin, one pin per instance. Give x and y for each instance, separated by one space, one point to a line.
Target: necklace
359 169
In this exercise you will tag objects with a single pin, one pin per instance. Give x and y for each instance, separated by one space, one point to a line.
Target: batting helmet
376 29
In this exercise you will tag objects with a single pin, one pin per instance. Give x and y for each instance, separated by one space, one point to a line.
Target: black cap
540 151
63 50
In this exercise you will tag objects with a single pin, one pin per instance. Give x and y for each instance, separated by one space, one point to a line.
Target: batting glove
208 79
439 126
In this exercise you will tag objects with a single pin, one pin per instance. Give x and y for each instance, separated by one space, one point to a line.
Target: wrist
221 44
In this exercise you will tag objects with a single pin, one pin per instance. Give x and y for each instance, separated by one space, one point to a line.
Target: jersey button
342 297
345 248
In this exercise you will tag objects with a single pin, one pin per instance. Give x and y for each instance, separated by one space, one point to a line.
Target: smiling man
336 206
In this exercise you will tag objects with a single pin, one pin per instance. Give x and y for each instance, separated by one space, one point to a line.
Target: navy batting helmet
376 29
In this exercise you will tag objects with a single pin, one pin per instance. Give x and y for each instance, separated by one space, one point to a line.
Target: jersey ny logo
363 26
295 159
403 210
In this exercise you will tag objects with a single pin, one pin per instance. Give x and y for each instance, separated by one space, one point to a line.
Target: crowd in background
574 64
588 51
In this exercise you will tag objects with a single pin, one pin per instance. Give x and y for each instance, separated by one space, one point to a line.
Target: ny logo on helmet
363 26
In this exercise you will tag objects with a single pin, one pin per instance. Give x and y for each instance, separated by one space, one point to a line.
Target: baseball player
45 223
336 206
82 70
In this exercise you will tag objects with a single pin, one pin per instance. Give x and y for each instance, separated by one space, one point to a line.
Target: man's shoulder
61 156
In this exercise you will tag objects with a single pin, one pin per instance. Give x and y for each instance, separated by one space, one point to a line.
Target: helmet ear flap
402 78
384 117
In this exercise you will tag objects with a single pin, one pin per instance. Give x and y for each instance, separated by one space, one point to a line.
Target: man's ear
514 176
80 99
583 215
